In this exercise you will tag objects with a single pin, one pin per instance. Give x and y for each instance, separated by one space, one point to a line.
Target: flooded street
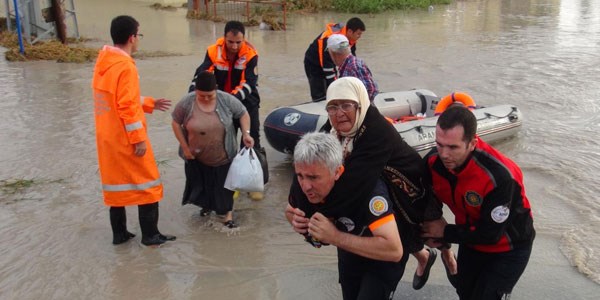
540 55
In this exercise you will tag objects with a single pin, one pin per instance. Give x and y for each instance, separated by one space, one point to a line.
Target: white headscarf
349 88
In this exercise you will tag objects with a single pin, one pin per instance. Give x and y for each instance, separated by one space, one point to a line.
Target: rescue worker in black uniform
485 192
371 259
234 62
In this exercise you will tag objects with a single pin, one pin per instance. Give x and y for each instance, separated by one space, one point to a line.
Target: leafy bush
309 5
362 6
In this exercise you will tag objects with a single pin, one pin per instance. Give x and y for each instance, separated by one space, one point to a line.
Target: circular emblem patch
291 119
472 198
500 214
378 205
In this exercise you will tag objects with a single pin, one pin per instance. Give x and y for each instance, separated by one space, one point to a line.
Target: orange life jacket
460 97
234 80
127 179
331 28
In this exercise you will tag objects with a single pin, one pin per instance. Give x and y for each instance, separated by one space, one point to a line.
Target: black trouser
148 218
254 125
316 82
361 282
489 276
318 88
367 287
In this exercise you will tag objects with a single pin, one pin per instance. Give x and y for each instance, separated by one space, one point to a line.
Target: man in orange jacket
127 167
318 66
234 61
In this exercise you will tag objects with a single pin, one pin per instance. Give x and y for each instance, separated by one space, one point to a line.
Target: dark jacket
379 152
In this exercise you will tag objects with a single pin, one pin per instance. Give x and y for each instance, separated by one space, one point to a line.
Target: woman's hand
248 140
187 153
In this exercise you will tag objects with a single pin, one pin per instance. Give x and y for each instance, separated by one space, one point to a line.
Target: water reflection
539 55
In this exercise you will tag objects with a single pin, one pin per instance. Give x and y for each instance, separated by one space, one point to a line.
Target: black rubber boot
118 222
262 157
148 215
166 237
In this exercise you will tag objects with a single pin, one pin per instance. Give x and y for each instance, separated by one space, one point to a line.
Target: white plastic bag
245 173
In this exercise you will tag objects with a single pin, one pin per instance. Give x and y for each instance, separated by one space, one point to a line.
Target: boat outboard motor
405 103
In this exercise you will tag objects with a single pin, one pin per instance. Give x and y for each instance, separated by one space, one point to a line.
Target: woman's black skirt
204 187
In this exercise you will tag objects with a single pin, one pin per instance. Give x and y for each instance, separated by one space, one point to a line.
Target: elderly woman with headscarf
373 149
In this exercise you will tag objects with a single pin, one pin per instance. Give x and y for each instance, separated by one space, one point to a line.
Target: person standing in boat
372 150
127 167
485 192
203 125
371 258
235 64
347 64
318 66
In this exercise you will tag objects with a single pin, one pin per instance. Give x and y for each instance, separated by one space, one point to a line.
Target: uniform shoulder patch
500 214
472 198
378 205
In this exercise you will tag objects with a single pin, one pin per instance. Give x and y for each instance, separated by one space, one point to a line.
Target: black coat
379 151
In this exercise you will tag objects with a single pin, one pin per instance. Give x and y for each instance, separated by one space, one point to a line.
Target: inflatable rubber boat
413 113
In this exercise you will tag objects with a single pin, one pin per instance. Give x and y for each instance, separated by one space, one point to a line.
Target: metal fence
267 14
37 19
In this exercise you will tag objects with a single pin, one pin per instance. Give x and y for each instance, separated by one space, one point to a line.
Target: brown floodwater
55 237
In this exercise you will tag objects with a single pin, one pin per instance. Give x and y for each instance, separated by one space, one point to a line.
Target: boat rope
487 115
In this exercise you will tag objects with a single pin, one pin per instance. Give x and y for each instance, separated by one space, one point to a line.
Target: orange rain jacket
127 179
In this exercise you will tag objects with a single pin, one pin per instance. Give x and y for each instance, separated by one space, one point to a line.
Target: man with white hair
371 258
347 64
